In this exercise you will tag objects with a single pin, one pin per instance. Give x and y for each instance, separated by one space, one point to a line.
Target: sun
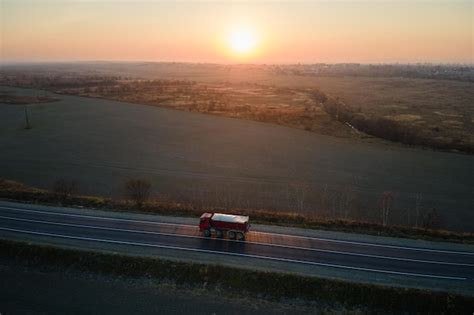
243 41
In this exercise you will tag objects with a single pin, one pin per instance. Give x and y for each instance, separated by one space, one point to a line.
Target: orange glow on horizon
254 32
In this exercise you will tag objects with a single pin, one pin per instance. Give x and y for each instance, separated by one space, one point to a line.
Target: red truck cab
205 222
234 226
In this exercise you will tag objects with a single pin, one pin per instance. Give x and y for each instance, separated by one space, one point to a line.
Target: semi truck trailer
230 225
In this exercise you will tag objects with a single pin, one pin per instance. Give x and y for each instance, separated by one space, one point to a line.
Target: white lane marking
94 217
254 232
233 254
370 244
247 242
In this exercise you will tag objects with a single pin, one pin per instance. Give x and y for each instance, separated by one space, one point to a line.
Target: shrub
377 126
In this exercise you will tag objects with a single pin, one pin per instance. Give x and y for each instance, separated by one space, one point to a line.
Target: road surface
450 268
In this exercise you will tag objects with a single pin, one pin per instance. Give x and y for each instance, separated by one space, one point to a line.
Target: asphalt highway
376 258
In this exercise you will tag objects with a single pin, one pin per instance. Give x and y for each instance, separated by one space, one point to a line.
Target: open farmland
297 108
219 161
431 107
440 110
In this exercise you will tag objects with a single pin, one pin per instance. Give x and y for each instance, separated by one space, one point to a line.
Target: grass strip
270 285
14 191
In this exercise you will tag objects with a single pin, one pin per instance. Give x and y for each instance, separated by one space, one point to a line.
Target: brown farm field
436 113
300 108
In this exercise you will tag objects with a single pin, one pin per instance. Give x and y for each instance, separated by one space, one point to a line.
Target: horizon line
29 62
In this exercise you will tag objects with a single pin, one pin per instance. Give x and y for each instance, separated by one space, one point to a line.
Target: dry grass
432 106
242 282
11 190
299 108
404 117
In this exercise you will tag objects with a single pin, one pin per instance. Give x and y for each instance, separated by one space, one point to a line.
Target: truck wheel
219 233
207 232
240 236
231 235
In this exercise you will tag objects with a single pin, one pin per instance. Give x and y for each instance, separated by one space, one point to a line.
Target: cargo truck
232 226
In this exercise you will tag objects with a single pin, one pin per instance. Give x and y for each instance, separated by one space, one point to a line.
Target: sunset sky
238 31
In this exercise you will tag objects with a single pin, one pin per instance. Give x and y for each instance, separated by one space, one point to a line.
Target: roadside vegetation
14 191
241 282
138 190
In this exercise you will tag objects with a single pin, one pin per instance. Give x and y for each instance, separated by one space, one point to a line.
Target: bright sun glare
242 41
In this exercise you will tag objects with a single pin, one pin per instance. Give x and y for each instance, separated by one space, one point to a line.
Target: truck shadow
222 245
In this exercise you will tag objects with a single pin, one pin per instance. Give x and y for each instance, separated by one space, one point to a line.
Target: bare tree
347 200
300 192
199 196
64 187
418 200
138 190
325 198
386 203
431 219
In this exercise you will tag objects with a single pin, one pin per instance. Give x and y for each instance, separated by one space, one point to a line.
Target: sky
371 31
